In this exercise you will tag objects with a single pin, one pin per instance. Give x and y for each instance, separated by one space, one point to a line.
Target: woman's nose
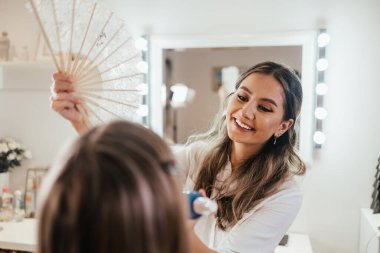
248 111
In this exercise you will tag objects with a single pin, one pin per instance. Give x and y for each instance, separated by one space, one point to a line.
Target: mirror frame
305 39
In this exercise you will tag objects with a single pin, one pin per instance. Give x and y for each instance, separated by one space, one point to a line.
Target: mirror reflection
207 76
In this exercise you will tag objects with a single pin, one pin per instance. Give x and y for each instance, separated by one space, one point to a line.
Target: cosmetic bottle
200 205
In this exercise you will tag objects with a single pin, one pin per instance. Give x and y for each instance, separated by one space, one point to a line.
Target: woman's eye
265 109
242 98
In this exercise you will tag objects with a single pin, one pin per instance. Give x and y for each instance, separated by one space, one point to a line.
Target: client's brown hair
115 193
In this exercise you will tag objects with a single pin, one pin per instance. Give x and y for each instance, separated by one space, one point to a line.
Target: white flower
11 156
3 148
12 153
28 154
12 145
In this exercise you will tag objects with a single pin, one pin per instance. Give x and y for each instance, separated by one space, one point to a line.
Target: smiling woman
247 163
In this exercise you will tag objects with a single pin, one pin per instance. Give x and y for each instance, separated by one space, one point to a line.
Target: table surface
373 219
19 235
22 236
297 243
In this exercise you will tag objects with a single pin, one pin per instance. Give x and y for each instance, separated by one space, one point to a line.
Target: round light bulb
142 88
142 111
321 89
320 113
319 137
323 39
180 94
141 44
322 64
142 67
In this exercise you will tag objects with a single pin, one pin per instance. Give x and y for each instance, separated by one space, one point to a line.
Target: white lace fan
87 41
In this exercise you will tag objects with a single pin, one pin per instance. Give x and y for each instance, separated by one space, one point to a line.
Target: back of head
114 193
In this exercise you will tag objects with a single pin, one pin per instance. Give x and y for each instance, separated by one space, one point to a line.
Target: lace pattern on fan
93 45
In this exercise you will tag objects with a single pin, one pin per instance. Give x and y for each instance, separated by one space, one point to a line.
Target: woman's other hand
197 246
64 101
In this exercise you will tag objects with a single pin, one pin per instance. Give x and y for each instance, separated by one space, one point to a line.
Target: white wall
25 115
340 181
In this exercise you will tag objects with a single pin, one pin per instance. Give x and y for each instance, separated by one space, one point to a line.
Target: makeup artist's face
256 111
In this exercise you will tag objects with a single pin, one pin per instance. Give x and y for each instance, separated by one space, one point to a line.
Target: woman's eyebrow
269 101
246 89
262 99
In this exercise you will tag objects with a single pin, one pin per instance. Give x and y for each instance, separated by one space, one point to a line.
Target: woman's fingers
69 96
62 83
67 109
62 77
202 192
61 105
62 86
64 101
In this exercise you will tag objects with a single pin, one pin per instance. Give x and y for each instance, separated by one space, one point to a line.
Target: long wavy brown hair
115 192
262 174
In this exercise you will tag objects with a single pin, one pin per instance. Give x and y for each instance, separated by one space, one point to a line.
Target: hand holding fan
93 47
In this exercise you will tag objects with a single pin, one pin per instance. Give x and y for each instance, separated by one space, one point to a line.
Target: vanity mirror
174 57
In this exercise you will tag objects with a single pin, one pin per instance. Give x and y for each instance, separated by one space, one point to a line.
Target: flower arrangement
11 154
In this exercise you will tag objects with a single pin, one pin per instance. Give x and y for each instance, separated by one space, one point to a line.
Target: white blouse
260 230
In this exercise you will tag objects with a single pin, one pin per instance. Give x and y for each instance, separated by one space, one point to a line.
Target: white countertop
297 243
19 235
23 236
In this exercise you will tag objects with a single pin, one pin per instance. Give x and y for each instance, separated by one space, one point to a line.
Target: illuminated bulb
180 91
319 137
321 89
141 44
320 113
142 67
142 111
322 64
323 39
143 88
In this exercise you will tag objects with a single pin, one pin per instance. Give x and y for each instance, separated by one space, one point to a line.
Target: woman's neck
241 152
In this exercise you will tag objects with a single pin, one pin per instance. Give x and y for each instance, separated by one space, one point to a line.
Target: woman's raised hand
65 102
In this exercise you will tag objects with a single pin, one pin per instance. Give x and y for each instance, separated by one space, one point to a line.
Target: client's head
115 192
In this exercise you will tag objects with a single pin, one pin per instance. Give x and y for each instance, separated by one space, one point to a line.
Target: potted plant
12 154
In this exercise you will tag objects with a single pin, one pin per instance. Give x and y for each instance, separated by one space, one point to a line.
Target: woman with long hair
247 162
115 191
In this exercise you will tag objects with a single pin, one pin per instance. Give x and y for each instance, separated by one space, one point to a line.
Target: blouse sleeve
261 230
189 160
